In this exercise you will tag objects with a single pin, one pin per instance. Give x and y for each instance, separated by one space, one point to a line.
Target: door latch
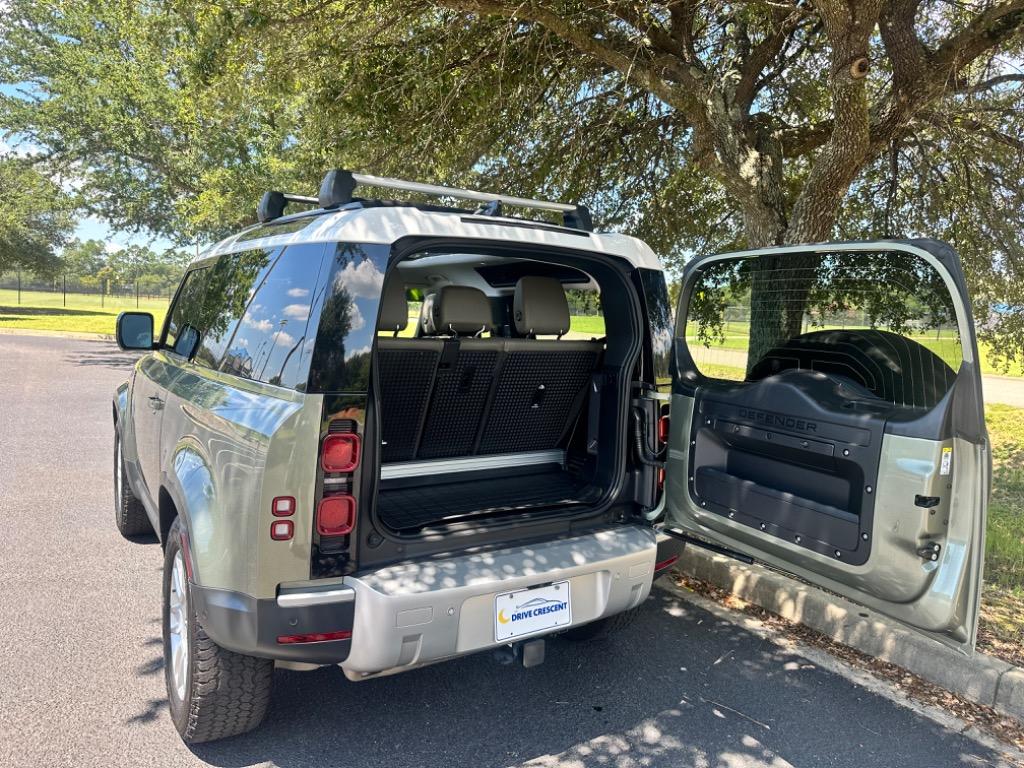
929 551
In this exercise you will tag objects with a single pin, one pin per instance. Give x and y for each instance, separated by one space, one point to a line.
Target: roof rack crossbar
462 194
338 186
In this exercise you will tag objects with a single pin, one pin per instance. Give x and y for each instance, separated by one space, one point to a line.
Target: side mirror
187 342
135 330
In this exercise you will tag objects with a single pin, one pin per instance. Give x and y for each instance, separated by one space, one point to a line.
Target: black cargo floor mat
407 509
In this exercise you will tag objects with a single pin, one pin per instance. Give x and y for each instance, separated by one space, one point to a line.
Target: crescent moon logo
502 617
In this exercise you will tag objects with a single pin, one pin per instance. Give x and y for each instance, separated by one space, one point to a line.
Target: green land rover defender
382 434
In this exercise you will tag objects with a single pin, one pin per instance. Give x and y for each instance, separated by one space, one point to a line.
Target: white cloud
259 325
357 320
364 280
284 339
349 354
297 311
298 293
111 247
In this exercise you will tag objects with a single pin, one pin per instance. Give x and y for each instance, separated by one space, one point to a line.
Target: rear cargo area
473 495
490 405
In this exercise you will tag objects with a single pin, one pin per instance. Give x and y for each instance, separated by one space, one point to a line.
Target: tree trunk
778 301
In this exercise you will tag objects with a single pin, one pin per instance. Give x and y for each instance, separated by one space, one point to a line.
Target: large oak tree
697 125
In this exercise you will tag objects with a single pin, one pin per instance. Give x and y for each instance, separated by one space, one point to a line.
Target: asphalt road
81 676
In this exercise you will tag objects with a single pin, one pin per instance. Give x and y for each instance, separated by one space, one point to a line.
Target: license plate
531 610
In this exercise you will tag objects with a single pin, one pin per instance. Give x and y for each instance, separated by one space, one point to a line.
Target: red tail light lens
335 515
282 530
340 453
661 478
283 506
663 425
665 563
314 637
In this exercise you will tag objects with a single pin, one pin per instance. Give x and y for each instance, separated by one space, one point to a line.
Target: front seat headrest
458 310
394 309
540 307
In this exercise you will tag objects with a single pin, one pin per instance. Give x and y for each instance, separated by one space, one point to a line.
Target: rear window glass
884 320
268 342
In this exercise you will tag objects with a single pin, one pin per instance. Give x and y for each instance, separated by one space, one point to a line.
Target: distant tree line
91 266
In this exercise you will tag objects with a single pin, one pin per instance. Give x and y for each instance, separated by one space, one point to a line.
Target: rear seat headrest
394 309
540 307
457 309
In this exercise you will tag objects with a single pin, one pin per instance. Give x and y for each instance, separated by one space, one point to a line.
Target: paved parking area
81 677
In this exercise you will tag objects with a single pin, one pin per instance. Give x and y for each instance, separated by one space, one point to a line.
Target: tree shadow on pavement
106 356
678 687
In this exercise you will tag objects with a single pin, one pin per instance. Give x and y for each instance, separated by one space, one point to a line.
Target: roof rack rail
338 185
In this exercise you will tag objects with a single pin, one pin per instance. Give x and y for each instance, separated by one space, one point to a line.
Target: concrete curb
980 678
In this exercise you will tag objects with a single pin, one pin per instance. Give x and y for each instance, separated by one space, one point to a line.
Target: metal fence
22 289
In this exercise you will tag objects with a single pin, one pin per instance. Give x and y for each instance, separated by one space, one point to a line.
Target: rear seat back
542 384
465 374
407 368
449 393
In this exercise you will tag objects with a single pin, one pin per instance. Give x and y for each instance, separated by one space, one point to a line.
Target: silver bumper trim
302 599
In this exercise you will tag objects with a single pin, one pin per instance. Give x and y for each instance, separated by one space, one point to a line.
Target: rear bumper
415 614
409 615
246 625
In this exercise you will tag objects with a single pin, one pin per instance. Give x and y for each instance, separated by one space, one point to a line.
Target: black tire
129 514
601 628
226 693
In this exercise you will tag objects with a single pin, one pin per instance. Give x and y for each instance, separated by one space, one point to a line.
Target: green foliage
177 116
35 217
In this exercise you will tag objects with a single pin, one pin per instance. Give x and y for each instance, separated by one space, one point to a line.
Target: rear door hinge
929 551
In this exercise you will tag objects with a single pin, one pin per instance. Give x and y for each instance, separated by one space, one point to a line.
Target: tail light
661 478
663 425
340 453
335 515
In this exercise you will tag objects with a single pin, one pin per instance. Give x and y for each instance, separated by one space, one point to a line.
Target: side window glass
232 283
182 324
347 322
269 340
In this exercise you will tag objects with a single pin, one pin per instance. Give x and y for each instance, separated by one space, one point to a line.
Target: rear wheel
129 514
213 692
596 630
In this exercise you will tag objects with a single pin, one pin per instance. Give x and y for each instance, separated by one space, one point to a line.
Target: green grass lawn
1002 604
943 343
84 313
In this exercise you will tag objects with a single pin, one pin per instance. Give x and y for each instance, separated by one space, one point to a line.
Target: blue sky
91 227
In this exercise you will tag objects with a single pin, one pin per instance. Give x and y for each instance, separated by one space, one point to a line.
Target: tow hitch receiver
532 652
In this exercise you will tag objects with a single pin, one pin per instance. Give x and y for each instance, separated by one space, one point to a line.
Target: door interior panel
791 455
827 421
